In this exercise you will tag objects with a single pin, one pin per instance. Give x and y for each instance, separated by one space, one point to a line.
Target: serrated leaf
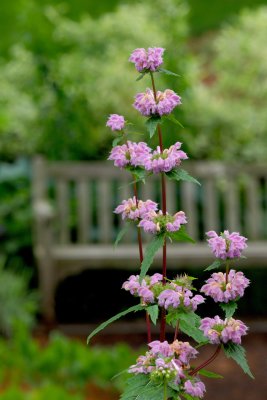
134 384
153 312
229 308
167 72
209 374
181 236
140 76
122 233
135 308
151 124
172 118
116 141
215 265
191 330
150 253
189 397
142 389
238 354
181 175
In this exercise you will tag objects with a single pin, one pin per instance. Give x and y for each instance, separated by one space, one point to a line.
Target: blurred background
63 69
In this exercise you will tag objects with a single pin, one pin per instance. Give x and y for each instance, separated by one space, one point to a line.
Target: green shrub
227 103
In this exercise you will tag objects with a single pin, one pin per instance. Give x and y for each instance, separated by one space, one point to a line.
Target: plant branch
208 361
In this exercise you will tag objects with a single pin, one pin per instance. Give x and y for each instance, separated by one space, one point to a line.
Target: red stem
212 358
141 257
164 210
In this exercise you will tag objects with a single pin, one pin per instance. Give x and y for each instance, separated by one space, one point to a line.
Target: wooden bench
75 227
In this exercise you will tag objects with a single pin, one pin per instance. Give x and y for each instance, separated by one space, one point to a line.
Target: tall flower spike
226 245
134 154
223 331
156 222
133 210
164 104
165 161
116 122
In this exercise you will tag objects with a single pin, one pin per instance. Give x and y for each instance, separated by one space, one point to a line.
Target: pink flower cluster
179 297
143 290
133 154
115 122
218 330
133 210
155 222
226 245
219 290
165 161
168 362
148 60
164 103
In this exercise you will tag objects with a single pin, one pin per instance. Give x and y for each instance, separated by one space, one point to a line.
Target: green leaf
167 72
172 118
189 397
151 124
135 308
181 175
122 233
215 265
139 387
153 312
116 141
181 236
141 76
238 353
229 308
190 329
150 253
209 374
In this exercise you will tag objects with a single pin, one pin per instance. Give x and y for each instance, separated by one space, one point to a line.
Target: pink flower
148 60
155 222
218 330
219 290
164 103
165 161
143 289
133 154
162 348
227 245
195 388
184 351
130 209
179 296
115 122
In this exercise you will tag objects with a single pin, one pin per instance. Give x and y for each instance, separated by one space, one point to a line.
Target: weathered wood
232 205
252 216
83 211
62 194
189 206
104 211
210 205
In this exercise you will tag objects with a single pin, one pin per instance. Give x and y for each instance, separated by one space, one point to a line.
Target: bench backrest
85 194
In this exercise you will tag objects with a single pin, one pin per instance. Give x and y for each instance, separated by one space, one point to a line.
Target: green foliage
181 236
67 84
181 175
135 308
121 233
215 265
16 302
229 308
238 353
153 312
227 102
152 124
151 250
209 374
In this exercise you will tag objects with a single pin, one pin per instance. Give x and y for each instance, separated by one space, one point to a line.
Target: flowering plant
167 371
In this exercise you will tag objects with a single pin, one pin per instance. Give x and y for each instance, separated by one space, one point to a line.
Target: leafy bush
68 82
228 95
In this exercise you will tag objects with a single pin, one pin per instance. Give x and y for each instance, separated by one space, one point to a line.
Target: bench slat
83 211
189 207
232 205
104 211
252 216
62 194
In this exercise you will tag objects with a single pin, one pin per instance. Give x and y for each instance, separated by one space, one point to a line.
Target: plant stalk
164 210
141 257
208 361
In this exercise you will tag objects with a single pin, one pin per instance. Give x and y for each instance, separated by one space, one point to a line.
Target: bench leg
47 285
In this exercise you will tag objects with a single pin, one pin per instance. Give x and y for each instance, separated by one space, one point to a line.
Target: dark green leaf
142 389
165 71
122 233
150 253
191 330
209 374
215 265
181 175
134 384
151 124
229 308
238 353
135 308
172 118
140 76
153 312
181 236
189 397
116 141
